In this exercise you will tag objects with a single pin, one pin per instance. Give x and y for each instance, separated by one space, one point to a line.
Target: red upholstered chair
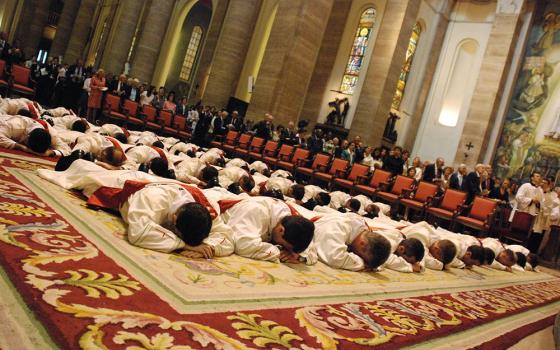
21 81
520 228
447 207
320 163
255 152
300 155
181 127
378 178
337 166
112 108
130 109
357 173
480 216
424 193
166 121
4 84
401 183
231 141
283 154
149 115
243 145
270 149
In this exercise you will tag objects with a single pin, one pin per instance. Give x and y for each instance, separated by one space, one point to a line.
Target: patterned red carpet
85 296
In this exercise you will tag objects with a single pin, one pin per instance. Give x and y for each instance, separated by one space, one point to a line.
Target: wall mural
530 139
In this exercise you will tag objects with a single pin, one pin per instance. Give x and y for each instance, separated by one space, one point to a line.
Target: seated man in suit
434 171
457 181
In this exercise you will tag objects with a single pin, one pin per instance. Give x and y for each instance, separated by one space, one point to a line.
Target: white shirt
16 129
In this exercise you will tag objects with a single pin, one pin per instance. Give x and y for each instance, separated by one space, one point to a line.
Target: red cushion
482 207
215 143
324 176
269 159
411 203
117 115
23 88
470 222
134 120
305 170
255 155
153 125
285 165
241 151
184 134
229 147
3 82
169 129
365 189
344 183
391 197
442 213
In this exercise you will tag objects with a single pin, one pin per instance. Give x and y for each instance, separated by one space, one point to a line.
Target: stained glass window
190 56
405 70
361 40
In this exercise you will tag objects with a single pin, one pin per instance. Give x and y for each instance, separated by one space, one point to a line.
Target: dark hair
213 182
158 144
273 193
110 155
510 255
448 251
64 162
489 256
234 188
193 223
39 140
160 167
324 198
521 259
534 173
533 259
79 125
24 113
246 183
378 248
191 153
298 191
208 173
413 248
477 253
298 231
121 137
354 205
220 162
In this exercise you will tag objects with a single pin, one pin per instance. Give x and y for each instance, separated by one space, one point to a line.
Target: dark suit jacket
431 172
454 182
219 126
472 186
4 51
128 93
74 75
182 110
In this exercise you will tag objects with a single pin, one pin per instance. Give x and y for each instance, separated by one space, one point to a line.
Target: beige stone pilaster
80 31
64 28
122 32
150 39
489 86
384 69
231 51
289 58
325 60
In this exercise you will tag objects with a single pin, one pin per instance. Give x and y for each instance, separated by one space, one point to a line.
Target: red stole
125 132
226 204
113 198
43 123
160 152
33 110
116 144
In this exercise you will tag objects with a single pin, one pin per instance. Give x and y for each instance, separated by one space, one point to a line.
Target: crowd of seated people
254 198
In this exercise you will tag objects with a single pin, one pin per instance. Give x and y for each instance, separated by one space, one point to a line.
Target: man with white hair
473 185
457 180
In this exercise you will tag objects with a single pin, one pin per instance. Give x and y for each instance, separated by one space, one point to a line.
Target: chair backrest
452 199
244 140
257 142
338 165
21 74
150 112
482 207
300 154
320 160
181 122
113 102
166 117
271 146
522 222
230 137
379 176
131 106
357 170
2 68
424 191
401 183
285 151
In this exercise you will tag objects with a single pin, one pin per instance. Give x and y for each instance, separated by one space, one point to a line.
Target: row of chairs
17 81
148 117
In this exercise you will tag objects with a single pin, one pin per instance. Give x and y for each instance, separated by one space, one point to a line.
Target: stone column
289 58
149 42
210 43
80 31
491 79
231 51
64 28
122 32
30 29
325 60
384 69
